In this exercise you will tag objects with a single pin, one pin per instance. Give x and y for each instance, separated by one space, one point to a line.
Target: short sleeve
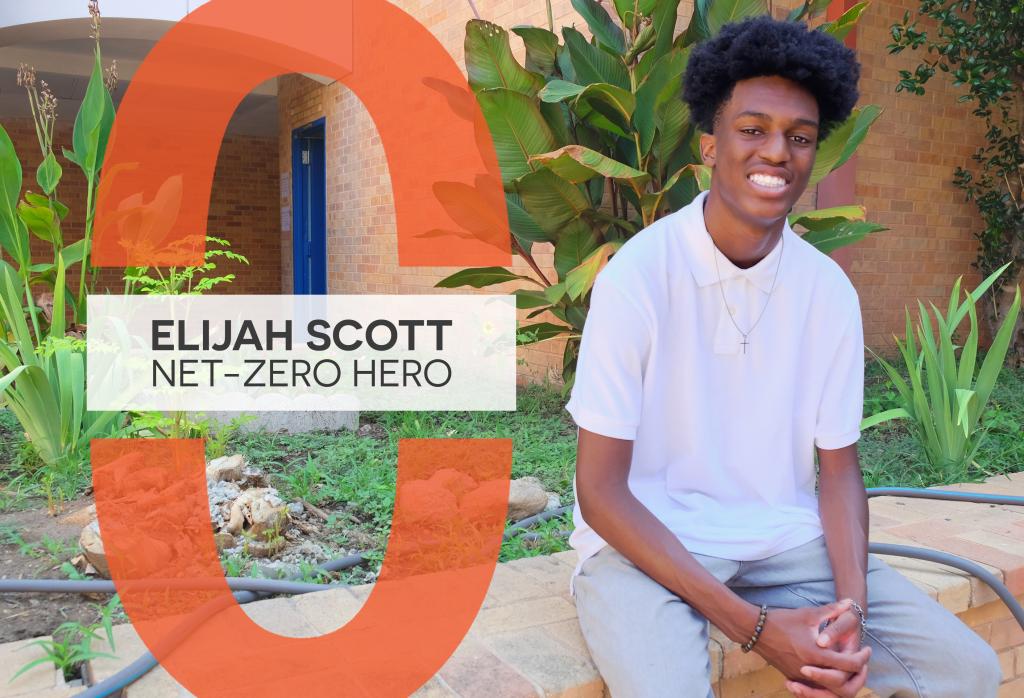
841 409
607 395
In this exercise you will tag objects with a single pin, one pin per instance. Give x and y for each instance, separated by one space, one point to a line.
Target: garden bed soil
27 615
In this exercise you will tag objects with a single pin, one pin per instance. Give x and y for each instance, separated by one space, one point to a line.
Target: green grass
355 475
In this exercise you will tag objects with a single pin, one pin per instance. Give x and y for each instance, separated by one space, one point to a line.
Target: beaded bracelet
749 644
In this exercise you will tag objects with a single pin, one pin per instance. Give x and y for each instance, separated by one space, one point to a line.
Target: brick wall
903 177
244 206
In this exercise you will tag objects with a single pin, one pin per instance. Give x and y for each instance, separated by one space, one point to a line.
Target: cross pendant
744 343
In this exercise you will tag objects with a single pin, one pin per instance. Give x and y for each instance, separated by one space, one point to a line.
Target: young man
720 350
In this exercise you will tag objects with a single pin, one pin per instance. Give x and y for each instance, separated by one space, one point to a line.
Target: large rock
81 516
258 511
92 546
226 468
526 497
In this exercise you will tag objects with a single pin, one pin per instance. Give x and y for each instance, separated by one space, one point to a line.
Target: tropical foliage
595 143
42 356
944 401
979 44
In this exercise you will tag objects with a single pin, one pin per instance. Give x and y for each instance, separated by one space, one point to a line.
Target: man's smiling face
763 148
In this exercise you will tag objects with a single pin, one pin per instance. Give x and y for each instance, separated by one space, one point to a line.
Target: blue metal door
309 209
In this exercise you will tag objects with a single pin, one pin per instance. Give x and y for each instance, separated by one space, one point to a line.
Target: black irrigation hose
138 668
954 561
520 526
104 586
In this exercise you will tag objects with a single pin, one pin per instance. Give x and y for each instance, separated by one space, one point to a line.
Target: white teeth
767 180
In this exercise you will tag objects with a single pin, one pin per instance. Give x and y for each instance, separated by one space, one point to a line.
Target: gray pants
647 642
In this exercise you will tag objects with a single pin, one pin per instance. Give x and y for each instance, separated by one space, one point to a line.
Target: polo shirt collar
700 248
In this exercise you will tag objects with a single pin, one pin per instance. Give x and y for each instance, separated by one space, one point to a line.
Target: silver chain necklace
714 252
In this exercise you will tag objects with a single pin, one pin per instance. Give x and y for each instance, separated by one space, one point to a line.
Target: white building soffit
42 34
53 37
16 12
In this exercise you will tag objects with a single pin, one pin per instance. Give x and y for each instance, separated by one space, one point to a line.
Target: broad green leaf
541 332
37 200
672 120
541 49
518 129
48 174
555 292
850 212
843 233
602 26
697 30
592 63
490 63
556 115
621 103
650 203
74 252
576 164
576 315
596 215
843 141
580 279
666 73
523 226
723 12
564 63
607 107
92 124
644 65
665 14
559 90
696 171
845 23
866 116
41 221
530 298
550 200
575 243
13 237
703 175
480 277
70 156
818 224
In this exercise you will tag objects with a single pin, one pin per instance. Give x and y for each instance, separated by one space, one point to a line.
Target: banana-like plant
595 143
944 401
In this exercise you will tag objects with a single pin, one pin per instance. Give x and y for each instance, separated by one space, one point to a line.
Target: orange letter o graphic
450 211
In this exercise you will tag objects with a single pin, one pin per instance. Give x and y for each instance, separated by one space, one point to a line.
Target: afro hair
763 46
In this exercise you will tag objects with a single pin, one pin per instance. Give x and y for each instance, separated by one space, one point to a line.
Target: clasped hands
826 664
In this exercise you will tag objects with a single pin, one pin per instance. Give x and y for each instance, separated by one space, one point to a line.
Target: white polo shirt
723 442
